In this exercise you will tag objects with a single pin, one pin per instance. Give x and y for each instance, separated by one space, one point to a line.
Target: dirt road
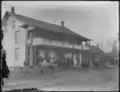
69 80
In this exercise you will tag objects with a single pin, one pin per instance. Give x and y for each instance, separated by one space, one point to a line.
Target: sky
95 20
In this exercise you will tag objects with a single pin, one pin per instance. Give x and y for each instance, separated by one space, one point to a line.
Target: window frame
17 54
17 37
13 24
30 34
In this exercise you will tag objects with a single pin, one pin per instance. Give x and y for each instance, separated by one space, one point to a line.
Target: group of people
98 62
46 63
42 60
68 62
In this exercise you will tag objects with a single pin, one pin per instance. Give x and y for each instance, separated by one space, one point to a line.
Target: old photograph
60 46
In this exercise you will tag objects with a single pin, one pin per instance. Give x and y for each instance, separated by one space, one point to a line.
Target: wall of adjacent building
9 43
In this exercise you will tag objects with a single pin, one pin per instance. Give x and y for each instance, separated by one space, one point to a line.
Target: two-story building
28 39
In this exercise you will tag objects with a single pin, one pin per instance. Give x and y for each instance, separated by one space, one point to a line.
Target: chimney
62 23
12 10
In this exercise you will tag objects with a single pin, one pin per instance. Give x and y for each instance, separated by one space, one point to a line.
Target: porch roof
63 48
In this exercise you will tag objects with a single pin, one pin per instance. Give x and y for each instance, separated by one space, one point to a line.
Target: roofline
77 35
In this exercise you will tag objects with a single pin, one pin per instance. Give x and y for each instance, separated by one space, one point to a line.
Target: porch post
31 56
26 53
80 59
31 50
34 56
26 47
73 56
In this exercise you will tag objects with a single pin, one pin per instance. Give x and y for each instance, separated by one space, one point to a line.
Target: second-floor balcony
41 41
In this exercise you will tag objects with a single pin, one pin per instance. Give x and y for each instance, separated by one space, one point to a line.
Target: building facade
29 40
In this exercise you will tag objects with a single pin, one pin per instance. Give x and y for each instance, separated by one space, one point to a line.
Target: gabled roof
95 49
48 26
111 54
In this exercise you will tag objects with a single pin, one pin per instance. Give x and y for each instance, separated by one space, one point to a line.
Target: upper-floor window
17 37
13 24
29 34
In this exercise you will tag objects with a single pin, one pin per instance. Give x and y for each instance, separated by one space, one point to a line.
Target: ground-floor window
17 54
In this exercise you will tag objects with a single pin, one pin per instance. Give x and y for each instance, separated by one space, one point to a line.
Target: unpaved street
68 80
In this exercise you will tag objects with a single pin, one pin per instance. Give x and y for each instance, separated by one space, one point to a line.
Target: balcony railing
56 43
85 47
41 41
65 44
78 46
